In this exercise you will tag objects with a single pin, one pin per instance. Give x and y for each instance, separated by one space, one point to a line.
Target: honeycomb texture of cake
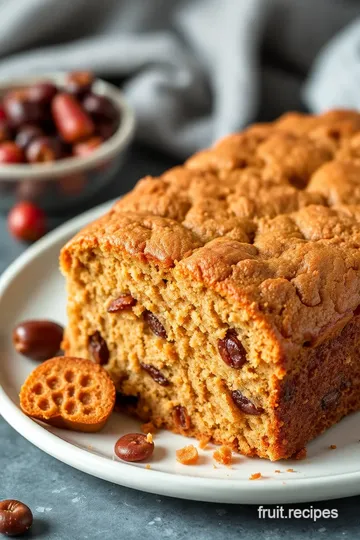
69 393
222 296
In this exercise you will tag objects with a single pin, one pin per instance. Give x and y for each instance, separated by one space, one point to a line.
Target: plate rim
219 490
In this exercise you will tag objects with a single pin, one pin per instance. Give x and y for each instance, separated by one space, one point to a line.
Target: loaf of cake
223 296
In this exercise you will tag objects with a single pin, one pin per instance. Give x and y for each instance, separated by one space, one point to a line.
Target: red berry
10 153
26 221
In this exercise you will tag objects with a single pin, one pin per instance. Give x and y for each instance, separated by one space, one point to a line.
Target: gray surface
69 505
194 69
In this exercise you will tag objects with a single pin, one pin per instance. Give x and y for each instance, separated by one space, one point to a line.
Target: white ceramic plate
32 287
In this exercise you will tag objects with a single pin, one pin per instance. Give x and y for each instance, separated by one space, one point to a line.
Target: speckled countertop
70 505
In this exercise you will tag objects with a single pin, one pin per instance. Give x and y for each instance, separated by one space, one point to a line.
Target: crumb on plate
187 455
223 455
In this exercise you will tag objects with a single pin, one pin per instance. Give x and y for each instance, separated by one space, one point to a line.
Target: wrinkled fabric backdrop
194 69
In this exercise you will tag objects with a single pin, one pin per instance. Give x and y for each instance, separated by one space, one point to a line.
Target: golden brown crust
71 393
269 221
263 217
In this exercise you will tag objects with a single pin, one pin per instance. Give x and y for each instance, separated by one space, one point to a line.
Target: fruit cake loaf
223 296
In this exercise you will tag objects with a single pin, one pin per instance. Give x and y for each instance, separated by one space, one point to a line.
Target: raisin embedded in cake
224 294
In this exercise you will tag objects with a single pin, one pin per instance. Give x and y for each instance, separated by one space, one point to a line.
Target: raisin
155 374
181 417
98 349
124 301
330 399
155 325
231 350
244 404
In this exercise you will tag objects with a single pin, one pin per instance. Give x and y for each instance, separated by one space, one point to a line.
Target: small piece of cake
223 296
70 393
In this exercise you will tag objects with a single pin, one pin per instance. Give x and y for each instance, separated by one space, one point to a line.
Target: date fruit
38 339
72 122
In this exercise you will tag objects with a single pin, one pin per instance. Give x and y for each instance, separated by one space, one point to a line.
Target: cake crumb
301 454
148 428
255 476
277 470
290 470
223 455
187 455
332 447
148 466
204 442
149 438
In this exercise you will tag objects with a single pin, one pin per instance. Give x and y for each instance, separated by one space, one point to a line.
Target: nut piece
155 374
187 455
134 447
330 399
71 120
244 404
98 349
15 517
223 455
38 339
124 301
154 324
231 350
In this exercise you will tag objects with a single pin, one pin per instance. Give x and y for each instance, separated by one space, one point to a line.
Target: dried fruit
330 399
10 153
100 107
244 404
20 110
181 417
26 222
79 83
83 149
26 134
44 149
38 339
155 374
72 122
42 92
231 350
154 324
124 301
134 447
98 349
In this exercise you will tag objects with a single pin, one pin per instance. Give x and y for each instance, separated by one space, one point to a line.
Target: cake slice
222 297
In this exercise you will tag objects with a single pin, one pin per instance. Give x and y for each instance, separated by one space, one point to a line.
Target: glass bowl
69 181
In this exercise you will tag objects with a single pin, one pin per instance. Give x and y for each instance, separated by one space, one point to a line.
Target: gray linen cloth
194 70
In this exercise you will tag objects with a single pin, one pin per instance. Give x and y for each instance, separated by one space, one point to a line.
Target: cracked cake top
269 218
